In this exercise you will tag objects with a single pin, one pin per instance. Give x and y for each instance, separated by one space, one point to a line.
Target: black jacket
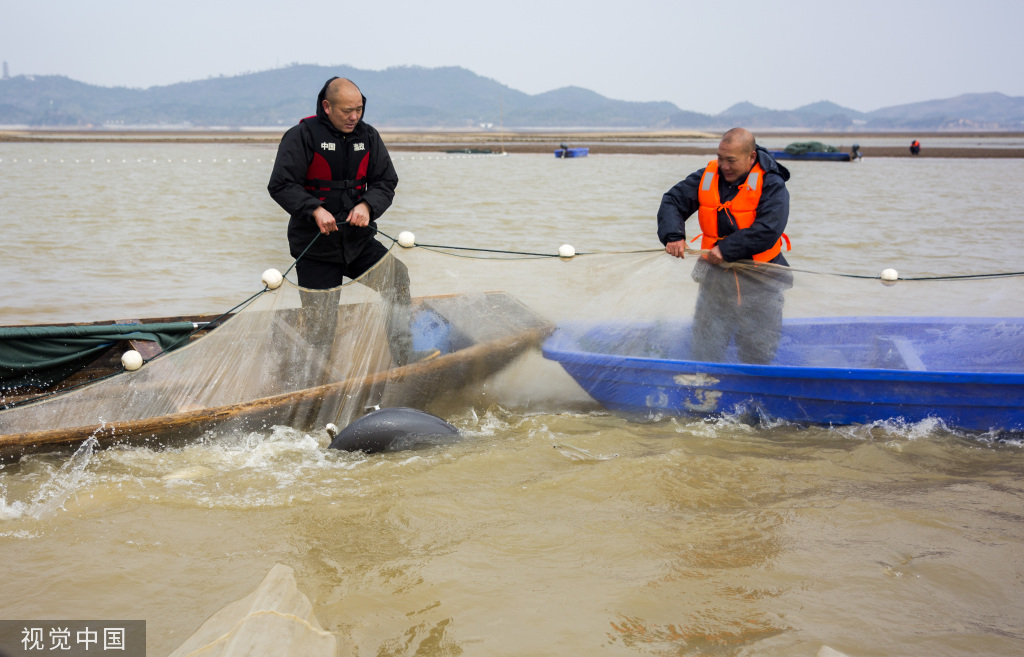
294 156
772 212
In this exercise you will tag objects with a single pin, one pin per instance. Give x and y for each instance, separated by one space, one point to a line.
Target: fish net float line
689 251
909 279
267 288
410 242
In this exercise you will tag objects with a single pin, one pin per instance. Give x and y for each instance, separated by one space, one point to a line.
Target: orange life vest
742 208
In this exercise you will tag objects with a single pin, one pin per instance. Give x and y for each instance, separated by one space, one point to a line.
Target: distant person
742 205
334 176
915 147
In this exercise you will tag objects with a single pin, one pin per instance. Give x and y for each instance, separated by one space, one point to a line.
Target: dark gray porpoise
391 429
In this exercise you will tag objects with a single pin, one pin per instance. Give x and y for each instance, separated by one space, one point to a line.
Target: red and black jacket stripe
337 173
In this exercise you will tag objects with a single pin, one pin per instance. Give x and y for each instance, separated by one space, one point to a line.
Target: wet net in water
640 333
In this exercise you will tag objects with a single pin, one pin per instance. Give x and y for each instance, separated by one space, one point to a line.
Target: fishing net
275 619
295 357
641 333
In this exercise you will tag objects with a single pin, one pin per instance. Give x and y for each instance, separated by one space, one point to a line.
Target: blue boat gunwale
551 347
819 156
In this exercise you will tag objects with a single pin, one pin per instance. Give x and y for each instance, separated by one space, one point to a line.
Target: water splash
898 429
53 494
574 453
10 511
494 421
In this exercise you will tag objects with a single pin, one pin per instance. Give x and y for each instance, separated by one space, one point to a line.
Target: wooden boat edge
13 446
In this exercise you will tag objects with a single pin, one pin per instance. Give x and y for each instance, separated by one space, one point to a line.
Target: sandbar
599 142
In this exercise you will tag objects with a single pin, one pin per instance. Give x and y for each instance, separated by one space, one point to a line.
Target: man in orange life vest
742 206
335 178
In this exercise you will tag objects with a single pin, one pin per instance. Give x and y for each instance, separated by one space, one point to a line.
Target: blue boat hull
825 157
572 152
968 372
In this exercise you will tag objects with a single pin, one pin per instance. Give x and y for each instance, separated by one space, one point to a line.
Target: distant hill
821 116
448 97
991 111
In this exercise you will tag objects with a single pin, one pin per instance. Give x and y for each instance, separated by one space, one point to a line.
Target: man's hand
714 256
360 215
676 249
324 221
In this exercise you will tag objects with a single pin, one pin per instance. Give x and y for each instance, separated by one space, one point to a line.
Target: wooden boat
582 151
501 330
967 372
71 355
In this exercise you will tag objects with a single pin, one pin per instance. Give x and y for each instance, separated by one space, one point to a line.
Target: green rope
876 277
315 237
1010 274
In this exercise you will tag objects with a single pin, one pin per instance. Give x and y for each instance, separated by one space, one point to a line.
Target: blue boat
572 152
967 372
825 157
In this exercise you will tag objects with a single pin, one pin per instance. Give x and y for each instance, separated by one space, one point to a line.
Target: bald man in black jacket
334 176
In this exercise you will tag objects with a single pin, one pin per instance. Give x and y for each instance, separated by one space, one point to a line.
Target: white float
132 360
272 279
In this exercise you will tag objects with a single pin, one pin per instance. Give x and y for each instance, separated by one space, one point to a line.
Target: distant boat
572 152
825 157
472 151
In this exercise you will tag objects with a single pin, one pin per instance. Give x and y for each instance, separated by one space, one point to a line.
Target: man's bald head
737 153
741 137
339 85
343 104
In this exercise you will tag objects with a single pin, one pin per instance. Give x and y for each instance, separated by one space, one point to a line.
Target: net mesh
550 333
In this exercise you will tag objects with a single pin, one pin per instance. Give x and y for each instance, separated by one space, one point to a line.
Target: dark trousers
741 305
390 278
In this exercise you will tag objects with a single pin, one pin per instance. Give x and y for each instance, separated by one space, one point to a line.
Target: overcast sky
703 56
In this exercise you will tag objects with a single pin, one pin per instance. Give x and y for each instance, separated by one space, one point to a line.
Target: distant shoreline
606 142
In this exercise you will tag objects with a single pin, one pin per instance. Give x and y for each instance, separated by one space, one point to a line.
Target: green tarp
43 355
804 147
